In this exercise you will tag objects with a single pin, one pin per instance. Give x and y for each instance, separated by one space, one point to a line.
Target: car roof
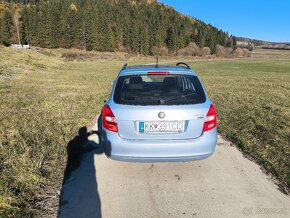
141 69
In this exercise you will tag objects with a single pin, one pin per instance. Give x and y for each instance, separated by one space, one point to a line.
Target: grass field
45 99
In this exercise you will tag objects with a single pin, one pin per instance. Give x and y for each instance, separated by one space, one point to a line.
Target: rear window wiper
164 101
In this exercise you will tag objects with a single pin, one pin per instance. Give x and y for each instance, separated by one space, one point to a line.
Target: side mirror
112 82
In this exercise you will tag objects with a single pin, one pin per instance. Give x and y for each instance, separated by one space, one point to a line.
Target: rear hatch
159 106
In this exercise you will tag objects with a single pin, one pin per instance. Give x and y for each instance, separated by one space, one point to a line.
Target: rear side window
158 90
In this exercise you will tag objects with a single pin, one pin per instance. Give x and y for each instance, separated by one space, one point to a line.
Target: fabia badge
161 115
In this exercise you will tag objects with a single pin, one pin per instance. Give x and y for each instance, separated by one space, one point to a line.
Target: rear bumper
159 159
120 149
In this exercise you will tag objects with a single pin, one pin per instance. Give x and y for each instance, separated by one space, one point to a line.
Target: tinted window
158 90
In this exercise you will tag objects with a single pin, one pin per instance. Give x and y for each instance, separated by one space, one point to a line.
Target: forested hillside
104 25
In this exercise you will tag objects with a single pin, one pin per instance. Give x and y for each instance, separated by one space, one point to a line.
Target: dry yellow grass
49 98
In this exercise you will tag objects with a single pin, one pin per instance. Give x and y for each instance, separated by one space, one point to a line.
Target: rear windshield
158 90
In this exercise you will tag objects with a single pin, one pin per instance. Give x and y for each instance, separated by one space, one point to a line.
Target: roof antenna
157 60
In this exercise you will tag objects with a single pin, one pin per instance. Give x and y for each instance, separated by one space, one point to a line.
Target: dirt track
225 185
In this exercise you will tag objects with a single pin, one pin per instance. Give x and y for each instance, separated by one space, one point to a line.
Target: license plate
161 127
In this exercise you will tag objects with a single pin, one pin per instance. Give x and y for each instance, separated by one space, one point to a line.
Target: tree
69 30
234 42
15 19
108 26
5 28
201 38
23 27
171 39
144 45
134 36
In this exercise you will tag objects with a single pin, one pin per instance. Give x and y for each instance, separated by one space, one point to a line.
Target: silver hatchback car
157 114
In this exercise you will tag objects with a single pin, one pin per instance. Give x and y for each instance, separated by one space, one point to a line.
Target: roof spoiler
179 64
124 67
182 63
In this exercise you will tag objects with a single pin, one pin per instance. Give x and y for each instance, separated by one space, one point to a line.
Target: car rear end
158 114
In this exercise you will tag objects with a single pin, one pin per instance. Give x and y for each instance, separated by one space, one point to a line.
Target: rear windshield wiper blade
163 101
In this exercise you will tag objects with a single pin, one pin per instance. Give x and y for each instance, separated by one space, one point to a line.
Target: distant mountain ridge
251 43
259 42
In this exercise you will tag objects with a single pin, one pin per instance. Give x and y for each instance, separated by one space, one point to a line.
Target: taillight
109 119
210 119
158 73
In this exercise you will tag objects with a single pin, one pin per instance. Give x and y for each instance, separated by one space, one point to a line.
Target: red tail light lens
109 119
210 119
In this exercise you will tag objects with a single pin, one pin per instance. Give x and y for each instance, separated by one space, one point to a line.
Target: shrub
221 51
191 50
205 51
241 52
182 52
246 52
162 50
238 52
229 52
194 49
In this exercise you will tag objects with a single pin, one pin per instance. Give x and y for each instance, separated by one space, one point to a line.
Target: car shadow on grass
79 193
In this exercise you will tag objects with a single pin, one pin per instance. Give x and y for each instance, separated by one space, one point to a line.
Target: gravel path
225 185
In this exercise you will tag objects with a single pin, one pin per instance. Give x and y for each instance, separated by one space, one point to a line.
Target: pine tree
88 36
201 38
69 34
5 28
171 39
134 36
24 28
109 25
234 42
144 45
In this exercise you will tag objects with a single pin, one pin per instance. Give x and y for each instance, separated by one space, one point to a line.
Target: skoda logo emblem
161 115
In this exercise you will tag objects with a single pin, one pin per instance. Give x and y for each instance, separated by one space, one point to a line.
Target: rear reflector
210 119
158 73
109 119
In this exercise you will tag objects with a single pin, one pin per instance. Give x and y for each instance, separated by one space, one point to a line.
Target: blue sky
259 19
